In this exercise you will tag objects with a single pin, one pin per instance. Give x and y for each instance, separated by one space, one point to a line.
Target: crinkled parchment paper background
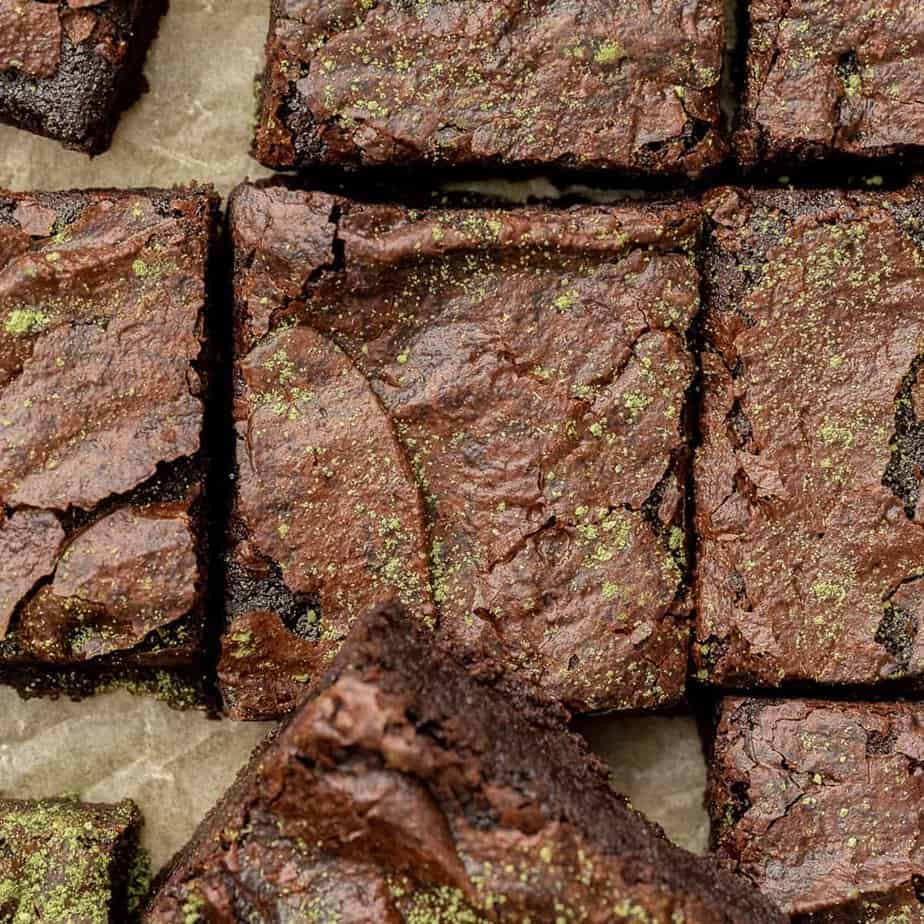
195 124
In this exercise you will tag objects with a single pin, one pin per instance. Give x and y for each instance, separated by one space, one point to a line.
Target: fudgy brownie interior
405 789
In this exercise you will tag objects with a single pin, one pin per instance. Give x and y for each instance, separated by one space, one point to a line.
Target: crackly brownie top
810 513
67 861
819 804
101 300
61 63
833 74
588 84
485 410
399 793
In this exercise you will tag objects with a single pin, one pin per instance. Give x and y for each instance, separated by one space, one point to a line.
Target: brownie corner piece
69 69
839 81
397 793
103 368
65 860
818 804
480 412
627 87
809 508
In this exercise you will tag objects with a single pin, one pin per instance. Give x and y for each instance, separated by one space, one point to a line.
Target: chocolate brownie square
69 67
479 411
842 80
591 84
69 862
407 790
820 805
102 521
810 514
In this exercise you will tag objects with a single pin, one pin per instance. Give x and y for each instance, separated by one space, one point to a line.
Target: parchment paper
176 764
114 746
195 124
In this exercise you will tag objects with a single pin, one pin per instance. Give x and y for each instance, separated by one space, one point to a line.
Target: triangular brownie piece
407 791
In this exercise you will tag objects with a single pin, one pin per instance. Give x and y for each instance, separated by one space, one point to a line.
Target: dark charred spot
296 115
739 799
694 131
905 472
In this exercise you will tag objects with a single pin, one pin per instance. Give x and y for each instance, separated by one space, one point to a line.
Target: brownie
103 529
820 804
69 862
479 411
69 67
809 510
591 84
836 80
405 789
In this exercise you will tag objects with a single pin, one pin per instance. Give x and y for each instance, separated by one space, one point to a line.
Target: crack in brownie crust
102 531
490 82
69 67
832 77
480 412
406 791
819 804
810 516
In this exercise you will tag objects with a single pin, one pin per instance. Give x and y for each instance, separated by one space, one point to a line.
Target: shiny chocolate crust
820 805
103 545
69 67
479 411
809 509
591 84
70 862
832 78
406 790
